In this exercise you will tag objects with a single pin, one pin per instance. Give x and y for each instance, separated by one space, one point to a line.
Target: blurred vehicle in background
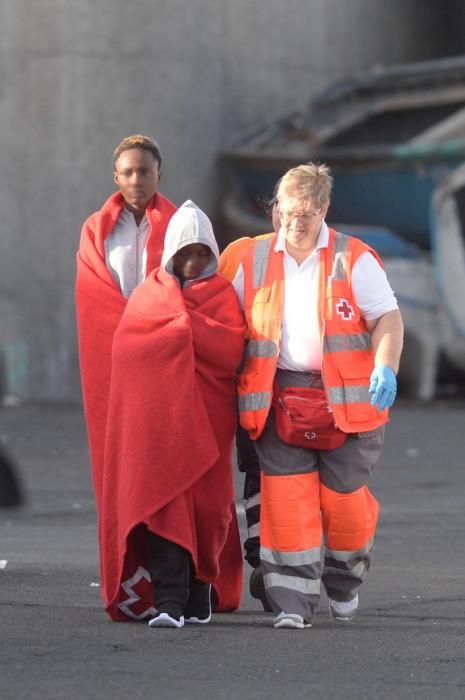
392 137
389 136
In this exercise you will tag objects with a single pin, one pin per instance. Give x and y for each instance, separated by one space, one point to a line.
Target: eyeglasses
306 218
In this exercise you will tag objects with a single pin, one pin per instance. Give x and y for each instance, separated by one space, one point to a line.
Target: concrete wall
77 76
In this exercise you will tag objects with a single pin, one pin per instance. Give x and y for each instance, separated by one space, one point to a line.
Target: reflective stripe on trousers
290 542
295 510
349 523
252 514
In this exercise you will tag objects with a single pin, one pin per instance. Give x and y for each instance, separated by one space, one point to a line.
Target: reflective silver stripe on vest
338 272
260 261
307 556
261 348
341 243
254 401
252 501
348 394
293 583
347 341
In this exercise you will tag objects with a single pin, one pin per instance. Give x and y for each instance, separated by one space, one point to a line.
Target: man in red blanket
119 245
159 400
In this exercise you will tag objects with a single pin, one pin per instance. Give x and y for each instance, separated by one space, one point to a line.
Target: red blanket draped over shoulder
100 306
157 376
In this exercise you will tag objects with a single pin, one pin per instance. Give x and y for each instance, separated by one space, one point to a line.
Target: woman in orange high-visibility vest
320 313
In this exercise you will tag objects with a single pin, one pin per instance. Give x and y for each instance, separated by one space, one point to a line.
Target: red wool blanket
100 306
159 398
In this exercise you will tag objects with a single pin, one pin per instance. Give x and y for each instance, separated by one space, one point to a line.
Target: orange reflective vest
231 256
346 342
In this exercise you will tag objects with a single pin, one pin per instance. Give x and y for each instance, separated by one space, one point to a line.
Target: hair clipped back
138 141
311 182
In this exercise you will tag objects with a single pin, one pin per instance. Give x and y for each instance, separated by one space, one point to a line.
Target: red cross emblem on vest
345 310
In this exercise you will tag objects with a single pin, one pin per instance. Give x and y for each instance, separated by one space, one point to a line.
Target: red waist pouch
304 419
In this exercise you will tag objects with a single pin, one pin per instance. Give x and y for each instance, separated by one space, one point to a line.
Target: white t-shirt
300 347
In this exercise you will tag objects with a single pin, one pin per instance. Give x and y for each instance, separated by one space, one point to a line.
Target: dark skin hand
189 262
137 174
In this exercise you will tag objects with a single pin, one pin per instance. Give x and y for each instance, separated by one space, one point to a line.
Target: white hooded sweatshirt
188 225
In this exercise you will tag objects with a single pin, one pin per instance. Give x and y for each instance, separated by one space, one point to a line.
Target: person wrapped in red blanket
167 521
120 244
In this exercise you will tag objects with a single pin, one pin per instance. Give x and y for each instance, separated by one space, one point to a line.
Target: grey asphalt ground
407 642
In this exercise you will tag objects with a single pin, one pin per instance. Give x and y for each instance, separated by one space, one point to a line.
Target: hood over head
189 224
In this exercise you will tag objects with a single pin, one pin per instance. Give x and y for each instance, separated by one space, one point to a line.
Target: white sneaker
290 621
164 619
343 612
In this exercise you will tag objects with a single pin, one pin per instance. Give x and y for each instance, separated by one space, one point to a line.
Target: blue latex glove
383 386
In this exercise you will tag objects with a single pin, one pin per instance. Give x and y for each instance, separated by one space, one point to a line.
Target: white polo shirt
126 251
300 347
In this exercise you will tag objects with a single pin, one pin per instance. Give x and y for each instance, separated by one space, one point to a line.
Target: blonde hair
311 182
138 141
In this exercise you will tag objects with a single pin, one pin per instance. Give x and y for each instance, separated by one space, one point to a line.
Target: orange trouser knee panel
290 517
349 519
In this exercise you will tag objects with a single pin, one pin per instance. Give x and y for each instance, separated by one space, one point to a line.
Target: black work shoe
257 589
198 610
